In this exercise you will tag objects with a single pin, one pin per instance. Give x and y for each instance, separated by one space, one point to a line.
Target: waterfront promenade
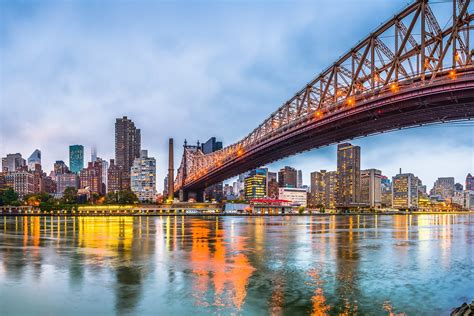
192 209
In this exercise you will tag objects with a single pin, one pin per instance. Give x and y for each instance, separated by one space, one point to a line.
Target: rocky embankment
464 310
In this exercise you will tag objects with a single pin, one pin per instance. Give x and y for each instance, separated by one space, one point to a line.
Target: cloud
193 70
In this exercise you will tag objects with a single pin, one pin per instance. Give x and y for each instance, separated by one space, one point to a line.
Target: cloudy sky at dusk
190 70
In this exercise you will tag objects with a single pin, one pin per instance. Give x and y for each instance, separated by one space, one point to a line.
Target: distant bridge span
407 73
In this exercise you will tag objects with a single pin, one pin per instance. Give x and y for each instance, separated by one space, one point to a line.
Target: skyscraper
60 167
91 177
13 162
443 187
323 189
114 177
405 191
76 158
34 159
370 187
469 182
127 147
143 177
93 153
299 180
348 174
287 177
255 184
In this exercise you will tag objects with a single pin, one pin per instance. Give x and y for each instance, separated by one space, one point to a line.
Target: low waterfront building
297 196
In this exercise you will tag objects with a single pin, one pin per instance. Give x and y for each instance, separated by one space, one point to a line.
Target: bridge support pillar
196 195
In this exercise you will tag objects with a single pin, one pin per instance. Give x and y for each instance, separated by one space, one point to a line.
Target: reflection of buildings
347 267
117 244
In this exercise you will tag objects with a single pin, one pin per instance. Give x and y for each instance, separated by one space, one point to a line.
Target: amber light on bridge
394 87
452 74
350 101
319 114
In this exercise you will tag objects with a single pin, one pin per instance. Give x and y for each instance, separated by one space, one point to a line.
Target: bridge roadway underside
450 100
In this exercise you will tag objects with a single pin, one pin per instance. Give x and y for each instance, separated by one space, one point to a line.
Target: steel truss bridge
409 72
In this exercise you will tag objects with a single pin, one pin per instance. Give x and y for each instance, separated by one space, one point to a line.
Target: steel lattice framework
410 51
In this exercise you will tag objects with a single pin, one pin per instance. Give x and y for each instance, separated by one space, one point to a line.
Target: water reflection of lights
319 305
226 270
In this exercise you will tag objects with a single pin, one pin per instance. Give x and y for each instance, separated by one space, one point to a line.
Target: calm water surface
376 265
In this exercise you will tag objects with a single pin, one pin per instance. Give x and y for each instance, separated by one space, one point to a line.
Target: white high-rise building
143 177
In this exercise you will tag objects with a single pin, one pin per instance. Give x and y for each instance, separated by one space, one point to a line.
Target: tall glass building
76 158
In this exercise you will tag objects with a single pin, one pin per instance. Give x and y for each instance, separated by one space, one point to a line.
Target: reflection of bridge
408 72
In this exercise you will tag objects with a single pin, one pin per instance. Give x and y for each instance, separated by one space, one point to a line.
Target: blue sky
189 69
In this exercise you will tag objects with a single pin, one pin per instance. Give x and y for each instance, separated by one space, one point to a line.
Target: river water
369 265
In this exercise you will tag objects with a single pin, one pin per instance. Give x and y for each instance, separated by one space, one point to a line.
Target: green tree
8 197
127 197
121 197
70 195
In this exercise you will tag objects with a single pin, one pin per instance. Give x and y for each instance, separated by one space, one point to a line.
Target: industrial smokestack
171 171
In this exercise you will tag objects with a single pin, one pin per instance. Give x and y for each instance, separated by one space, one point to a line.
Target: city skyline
73 110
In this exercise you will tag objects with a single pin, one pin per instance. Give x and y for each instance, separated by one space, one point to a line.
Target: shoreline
226 214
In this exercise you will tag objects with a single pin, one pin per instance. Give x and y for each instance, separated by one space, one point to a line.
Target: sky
190 70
